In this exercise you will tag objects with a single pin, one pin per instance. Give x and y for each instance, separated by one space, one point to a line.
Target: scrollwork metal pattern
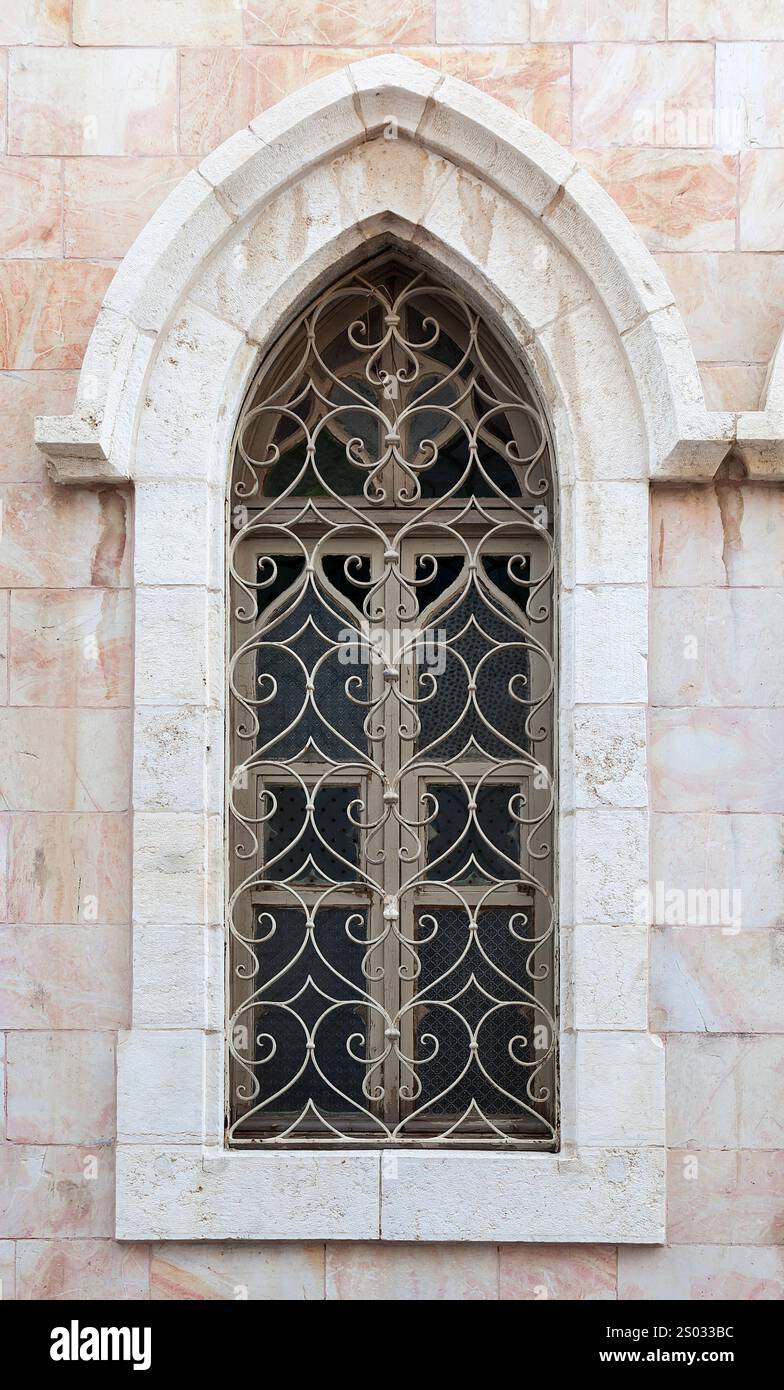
391 708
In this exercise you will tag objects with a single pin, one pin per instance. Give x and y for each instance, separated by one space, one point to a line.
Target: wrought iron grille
391 708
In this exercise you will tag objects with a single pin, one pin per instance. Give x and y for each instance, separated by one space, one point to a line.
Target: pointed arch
503 169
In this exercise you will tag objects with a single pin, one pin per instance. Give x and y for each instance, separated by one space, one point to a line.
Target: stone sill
604 1195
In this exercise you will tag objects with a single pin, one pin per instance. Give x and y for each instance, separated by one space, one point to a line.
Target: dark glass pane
511 575
437 578
292 648
451 834
286 977
288 569
340 476
330 819
499 731
350 575
496 980
440 478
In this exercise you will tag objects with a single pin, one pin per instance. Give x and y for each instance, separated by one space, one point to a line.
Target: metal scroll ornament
391 712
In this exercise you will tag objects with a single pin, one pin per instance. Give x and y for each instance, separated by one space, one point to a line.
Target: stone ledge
190 1193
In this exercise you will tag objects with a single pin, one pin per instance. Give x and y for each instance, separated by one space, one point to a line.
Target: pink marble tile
74 760
700 1272
35 21
643 94
705 981
733 854
716 759
2 1095
23 395
748 95
761 214
412 1272
700 645
222 89
108 201
677 199
7 1271
733 303
30 207
210 1272
725 1092
5 825
50 308
57 1191
725 19
57 537
725 1198
532 79
732 385
720 534
69 868
82 1269
71 647
92 101
573 1272
114 22
328 22
597 20
61 1088
4 606
474 21
3 99
64 977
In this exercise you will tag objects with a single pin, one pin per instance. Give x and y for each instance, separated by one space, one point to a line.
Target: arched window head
391 730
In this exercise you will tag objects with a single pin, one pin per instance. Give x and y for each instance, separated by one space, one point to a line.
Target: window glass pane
302 995
472 989
458 846
322 844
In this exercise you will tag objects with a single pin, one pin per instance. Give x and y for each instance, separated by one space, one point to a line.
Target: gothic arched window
391 805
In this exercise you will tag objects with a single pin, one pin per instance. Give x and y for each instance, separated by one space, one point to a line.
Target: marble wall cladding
323 22
709 853
643 94
106 202
717 981
675 109
46 22
70 647
678 200
701 1272
64 976
92 102
209 1272
731 302
68 867
409 1272
717 535
725 1092
81 1269
725 1197
23 395
60 1088
30 207
56 1191
49 310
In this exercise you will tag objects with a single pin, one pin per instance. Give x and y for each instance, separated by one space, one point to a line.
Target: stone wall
676 110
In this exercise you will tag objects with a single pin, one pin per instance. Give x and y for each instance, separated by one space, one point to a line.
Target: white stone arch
387 149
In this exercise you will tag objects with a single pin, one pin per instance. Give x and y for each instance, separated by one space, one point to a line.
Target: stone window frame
388 149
